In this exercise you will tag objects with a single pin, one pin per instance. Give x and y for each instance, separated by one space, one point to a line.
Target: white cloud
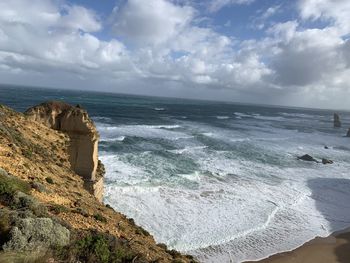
160 49
336 11
44 33
151 21
216 5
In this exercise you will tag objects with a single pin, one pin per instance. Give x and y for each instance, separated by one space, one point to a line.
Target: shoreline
332 249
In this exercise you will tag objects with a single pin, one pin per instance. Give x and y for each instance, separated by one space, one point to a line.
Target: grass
9 185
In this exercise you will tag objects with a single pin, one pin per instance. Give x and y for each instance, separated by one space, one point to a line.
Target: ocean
217 180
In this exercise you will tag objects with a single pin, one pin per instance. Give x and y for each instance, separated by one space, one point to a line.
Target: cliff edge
83 146
46 212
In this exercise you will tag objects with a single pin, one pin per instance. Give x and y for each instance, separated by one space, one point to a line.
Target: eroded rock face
337 123
83 148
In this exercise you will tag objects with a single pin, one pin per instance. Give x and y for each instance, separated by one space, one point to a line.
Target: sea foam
231 193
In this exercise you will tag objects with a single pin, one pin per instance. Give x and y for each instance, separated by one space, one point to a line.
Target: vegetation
58 209
10 185
49 180
100 217
97 247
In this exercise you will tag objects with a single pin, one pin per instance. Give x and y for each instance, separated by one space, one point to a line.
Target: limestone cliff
44 204
336 121
83 147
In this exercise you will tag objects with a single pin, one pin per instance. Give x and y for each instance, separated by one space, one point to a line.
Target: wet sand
333 249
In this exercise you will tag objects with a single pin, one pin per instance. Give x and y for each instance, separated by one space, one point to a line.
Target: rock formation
348 134
327 161
307 158
337 123
83 148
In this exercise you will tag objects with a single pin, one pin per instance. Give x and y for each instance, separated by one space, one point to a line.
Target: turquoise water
218 180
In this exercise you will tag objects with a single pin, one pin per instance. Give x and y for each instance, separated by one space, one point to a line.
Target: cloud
42 34
158 48
216 5
335 11
150 22
260 19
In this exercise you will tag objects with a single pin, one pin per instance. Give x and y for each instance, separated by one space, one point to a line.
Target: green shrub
100 217
49 180
94 247
101 248
81 211
57 209
27 153
21 200
163 246
5 226
141 231
10 185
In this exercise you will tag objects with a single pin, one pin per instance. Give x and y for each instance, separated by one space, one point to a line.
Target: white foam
109 132
222 117
236 206
118 139
188 149
240 114
268 118
159 109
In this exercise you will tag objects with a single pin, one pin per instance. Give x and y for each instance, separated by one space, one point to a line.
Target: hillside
46 214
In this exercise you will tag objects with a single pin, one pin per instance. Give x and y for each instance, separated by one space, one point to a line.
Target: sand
335 248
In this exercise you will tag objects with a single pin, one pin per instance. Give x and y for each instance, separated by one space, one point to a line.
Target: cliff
83 147
336 121
46 213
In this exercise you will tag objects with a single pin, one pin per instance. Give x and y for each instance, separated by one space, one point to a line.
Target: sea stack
348 134
337 123
83 147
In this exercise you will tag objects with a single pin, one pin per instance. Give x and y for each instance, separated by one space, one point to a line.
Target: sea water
217 180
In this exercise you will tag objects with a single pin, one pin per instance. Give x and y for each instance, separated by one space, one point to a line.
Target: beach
332 249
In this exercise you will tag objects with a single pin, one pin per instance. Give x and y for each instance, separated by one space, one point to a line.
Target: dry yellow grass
33 152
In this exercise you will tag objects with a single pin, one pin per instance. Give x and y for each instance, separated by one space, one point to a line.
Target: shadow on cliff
332 199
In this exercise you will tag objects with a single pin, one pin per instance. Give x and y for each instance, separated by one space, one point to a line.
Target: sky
291 52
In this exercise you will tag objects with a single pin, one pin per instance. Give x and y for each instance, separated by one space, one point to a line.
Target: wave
239 114
299 115
110 132
159 109
267 118
226 194
118 139
188 149
222 117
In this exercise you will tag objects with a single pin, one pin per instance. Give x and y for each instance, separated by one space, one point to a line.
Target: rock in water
337 122
307 158
326 161
348 134
83 147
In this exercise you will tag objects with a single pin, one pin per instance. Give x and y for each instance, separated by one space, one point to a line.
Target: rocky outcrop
83 147
336 121
327 161
307 158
